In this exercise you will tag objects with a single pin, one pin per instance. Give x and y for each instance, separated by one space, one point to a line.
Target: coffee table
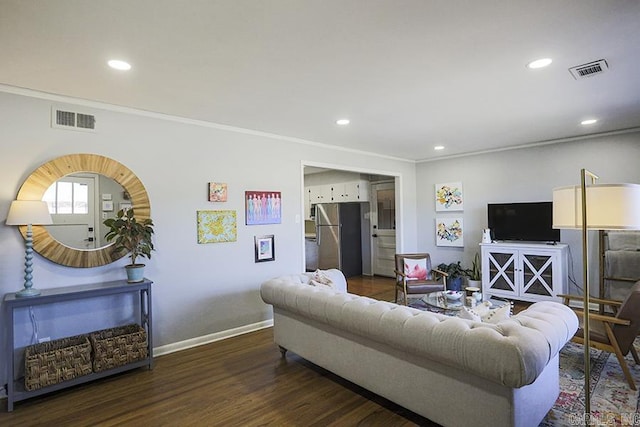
438 302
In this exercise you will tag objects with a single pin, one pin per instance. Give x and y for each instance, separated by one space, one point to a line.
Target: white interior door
72 206
383 228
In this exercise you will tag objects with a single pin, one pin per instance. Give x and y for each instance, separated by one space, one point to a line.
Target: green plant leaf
129 235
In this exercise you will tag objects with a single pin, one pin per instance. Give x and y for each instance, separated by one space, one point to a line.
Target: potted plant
455 274
131 236
475 274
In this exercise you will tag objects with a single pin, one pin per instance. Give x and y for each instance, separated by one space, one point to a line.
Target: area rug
613 403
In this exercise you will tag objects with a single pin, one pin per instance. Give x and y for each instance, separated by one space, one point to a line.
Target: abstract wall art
449 231
217 226
449 197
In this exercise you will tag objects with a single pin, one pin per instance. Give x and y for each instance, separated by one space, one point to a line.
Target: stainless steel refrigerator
338 237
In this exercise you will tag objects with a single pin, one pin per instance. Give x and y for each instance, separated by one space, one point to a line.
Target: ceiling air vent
588 70
63 119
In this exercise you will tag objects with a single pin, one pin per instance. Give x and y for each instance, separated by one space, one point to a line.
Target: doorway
316 174
71 202
383 228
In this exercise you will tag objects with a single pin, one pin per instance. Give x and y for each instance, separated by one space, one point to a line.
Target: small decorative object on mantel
132 236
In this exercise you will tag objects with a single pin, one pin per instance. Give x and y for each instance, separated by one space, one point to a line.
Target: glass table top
439 300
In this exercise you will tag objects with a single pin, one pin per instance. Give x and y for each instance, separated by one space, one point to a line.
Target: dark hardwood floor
240 381
378 287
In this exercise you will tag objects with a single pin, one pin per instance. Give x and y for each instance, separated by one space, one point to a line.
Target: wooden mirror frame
41 179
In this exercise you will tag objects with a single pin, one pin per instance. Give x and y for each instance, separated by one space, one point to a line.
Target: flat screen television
528 221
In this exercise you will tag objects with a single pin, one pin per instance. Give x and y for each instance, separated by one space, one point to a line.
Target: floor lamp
28 212
594 207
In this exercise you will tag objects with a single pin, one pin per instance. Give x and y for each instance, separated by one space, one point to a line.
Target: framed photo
125 206
217 191
217 226
263 207
449 197
265 249
449 231
107 205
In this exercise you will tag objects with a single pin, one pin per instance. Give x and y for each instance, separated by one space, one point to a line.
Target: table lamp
28 212
594 207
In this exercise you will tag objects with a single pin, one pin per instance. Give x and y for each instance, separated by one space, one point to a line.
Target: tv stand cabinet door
539 271
499 271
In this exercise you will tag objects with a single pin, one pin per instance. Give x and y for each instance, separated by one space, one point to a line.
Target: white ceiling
409 74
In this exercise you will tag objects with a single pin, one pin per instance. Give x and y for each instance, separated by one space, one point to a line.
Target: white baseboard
206 339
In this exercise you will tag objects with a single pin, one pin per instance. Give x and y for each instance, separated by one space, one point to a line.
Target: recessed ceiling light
438 147
343 122
539 63
119 65
588 122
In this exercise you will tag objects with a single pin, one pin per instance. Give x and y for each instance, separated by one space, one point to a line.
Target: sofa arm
557 322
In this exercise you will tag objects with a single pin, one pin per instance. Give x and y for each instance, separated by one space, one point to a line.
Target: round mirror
117 188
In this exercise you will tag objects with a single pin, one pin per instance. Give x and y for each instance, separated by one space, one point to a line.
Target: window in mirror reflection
71 202
67 198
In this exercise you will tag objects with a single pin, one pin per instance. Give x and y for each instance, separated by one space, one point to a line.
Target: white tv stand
524 271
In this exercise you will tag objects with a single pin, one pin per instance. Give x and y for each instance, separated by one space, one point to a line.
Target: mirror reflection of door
71 203
383 224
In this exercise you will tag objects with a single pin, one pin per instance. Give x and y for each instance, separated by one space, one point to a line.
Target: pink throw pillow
415 269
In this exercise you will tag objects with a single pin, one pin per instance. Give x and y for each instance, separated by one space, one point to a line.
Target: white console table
15 387
524 271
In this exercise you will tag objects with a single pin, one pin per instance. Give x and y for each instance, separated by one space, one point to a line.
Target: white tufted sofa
452 371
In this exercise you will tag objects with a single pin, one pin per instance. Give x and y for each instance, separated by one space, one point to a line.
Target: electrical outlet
44 339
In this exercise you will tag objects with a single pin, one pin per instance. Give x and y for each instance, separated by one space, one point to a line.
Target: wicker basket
118 346
55 361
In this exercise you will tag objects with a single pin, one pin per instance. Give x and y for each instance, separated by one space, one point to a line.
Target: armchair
414 275
614 333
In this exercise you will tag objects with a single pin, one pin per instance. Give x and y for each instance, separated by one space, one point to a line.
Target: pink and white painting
263 207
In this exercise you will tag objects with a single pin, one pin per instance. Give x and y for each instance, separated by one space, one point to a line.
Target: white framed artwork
449 197
449 231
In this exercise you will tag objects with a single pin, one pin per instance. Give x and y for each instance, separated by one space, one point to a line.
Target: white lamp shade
25 212
609 207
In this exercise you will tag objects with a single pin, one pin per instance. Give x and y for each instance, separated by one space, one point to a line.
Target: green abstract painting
217 226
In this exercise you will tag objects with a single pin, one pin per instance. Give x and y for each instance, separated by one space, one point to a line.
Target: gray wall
523 175
200 289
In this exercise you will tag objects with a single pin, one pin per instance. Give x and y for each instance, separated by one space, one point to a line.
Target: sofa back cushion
512 352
